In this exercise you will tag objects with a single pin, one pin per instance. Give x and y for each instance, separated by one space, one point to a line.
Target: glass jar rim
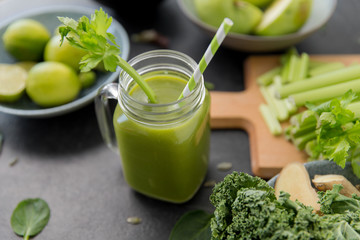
161 53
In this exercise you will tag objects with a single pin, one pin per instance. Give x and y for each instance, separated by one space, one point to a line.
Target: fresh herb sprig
92 36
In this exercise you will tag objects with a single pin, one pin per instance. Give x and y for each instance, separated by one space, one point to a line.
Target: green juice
164 161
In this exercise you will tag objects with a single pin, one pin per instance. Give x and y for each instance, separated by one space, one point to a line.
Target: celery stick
293 65
314 64
285 72
324 68
285 62
300 142
267 78
298 132
277 80
291 107
303 67
271 121
326 79
277 106
325 93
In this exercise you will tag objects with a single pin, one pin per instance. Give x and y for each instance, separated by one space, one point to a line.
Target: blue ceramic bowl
48 16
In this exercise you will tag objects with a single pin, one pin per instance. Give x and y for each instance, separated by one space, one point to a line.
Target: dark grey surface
64 160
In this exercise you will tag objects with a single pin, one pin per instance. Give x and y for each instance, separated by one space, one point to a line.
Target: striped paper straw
209 53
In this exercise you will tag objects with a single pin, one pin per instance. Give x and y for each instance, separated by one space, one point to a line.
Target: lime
51 84
26 65
284 17
12 82
25 39
87 79
65 53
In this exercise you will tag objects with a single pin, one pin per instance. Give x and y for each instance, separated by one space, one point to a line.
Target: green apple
260 3
284 17
244 15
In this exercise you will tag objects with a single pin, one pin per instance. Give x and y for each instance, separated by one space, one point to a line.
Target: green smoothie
167 162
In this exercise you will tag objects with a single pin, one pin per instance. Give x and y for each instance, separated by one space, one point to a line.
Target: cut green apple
284 17
244 15
260 3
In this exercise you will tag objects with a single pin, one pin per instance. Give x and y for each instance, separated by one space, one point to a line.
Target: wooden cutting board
240 110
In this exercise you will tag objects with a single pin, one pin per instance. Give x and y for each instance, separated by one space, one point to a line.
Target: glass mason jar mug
164 147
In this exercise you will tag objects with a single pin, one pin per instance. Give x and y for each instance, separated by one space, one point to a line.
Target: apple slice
284 17
244 15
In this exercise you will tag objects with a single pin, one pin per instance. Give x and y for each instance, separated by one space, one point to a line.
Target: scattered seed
134 220
210 183
224 166
13 162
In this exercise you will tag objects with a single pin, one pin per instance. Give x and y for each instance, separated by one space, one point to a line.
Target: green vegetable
270 120
334 129
333 202
193 225
276 105
320 95
325 68
92 36
30 217
267 77
246 208
323 80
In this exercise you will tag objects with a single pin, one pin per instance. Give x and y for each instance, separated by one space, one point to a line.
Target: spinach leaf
30 217
193 225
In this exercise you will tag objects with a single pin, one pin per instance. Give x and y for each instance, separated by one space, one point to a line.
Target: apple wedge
284 17
244 15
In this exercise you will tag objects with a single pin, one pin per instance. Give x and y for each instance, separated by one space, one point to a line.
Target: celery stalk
315 63
300 142
270 119
266 78
277 106
293 67
303 67
324 68
325 93
326 79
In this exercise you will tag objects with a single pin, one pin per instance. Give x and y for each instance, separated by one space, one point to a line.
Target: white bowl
320 14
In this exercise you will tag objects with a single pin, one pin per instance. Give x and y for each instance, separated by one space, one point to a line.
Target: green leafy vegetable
246 208
194 225
92 36
30 217
328 131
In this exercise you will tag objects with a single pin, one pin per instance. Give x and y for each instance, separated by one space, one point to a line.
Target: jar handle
104 114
